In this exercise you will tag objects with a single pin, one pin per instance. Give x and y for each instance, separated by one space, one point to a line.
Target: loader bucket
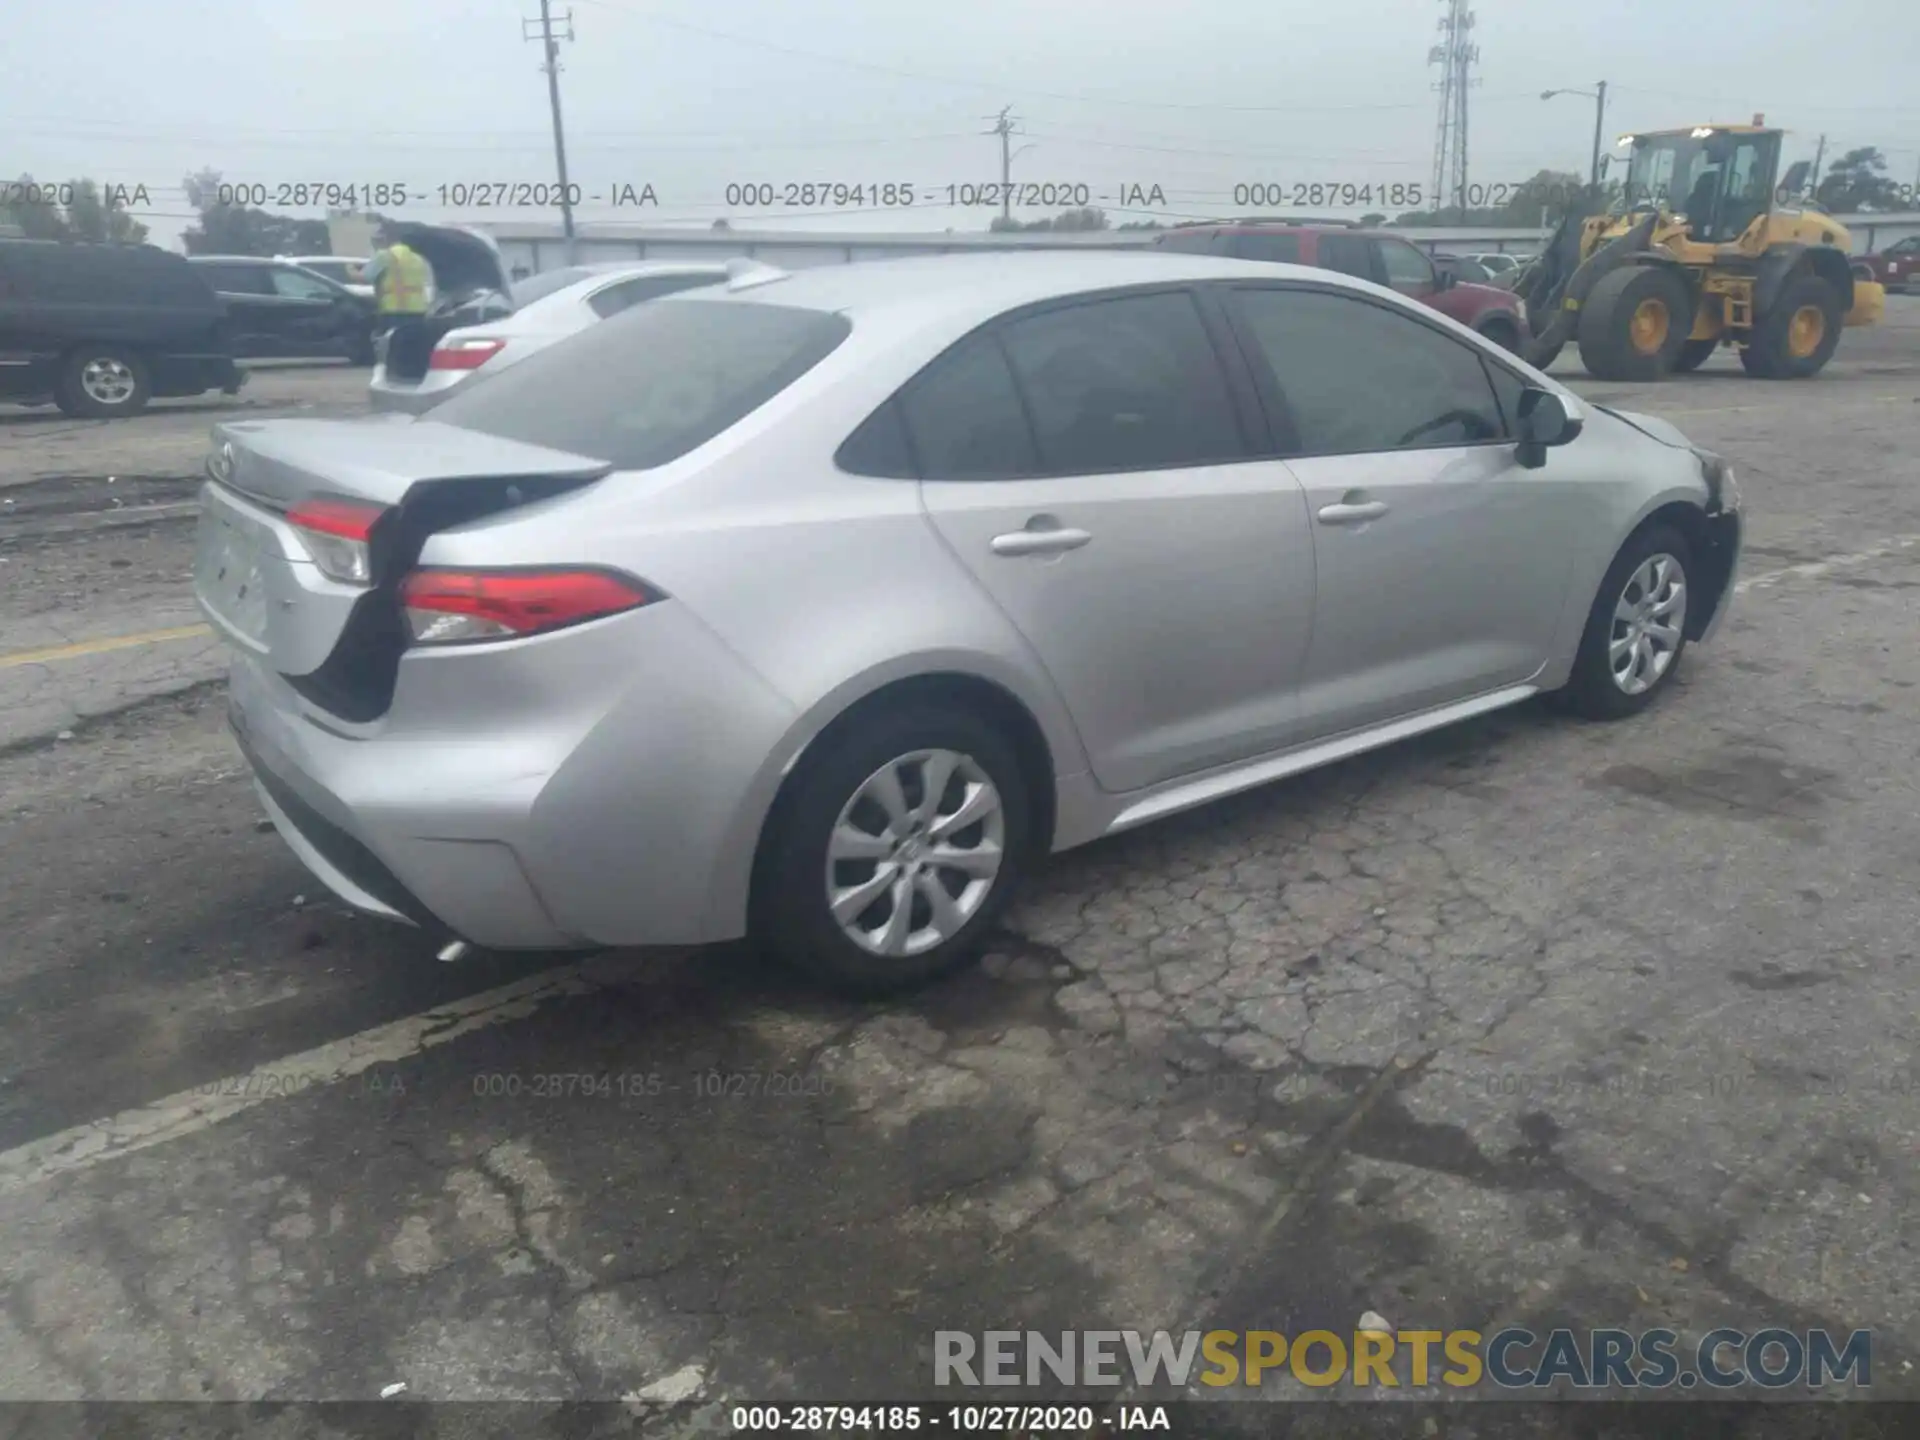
1869 303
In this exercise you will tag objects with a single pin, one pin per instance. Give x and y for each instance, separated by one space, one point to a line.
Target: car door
1439 558
312 316
247 296
1094 465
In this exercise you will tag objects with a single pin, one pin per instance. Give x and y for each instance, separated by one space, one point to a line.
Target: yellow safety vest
402 287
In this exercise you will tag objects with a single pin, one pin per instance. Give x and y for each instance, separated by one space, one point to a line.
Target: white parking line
207 1105
1813 569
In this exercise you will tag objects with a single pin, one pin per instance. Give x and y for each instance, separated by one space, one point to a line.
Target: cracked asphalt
1525 1022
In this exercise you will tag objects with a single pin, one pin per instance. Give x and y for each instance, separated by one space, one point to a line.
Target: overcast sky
1195 96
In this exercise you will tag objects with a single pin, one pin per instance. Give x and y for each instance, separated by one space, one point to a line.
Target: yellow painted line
100 647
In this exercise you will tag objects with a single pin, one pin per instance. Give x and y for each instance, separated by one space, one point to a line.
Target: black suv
101 329
278 309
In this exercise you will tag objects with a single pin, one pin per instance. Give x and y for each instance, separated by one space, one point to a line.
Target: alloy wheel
106 380
1648 621
915 853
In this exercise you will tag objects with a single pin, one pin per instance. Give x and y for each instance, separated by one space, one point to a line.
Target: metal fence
538 247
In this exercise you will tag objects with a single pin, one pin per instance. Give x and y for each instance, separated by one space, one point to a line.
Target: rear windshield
525 292
650 384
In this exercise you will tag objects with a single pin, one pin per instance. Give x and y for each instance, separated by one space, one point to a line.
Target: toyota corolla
818 606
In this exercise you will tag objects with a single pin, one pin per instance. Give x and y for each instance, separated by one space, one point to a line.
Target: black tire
103 382
1545 358
1694 354
1775 352
1634 322
1591 690
792 918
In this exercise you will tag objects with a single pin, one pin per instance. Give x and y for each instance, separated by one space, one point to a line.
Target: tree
1143 225
1373 217
1857 182
229 229
76 210
721 224
1090 218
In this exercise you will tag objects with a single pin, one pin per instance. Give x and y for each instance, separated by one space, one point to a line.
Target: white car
1497 262
347 270
548 308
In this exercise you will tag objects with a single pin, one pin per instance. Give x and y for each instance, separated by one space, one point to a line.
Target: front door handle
1040 542
1358 514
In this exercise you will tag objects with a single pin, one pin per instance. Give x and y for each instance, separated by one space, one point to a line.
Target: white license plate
228 568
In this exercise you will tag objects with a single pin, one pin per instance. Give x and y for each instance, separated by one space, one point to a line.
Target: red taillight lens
449 607
336 533
468 354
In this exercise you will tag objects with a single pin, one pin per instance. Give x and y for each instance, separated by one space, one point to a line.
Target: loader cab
1720 177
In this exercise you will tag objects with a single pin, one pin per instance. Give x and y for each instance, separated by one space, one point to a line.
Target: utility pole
1003 124
542 30
1599 124
1819 153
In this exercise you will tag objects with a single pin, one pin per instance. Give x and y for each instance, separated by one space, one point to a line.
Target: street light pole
1599 97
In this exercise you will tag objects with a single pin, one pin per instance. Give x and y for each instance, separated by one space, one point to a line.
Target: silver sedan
818 606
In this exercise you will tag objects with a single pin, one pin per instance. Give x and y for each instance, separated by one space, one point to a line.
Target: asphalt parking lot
1524 1022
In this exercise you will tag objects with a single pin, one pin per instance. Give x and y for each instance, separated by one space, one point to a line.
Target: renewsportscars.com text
1513 1358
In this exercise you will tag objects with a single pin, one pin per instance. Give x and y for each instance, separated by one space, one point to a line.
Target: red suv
1897 267
1376 255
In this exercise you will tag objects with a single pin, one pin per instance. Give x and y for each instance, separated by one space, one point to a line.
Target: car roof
987 283
1269 227
245 259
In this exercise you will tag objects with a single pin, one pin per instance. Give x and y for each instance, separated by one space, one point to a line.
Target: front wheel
896 851
1799 332
1636 630
1633 324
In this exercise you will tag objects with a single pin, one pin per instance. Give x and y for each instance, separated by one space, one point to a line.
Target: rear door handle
1345 514
1040 542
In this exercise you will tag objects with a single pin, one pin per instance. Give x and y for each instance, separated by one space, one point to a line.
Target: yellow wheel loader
1700 250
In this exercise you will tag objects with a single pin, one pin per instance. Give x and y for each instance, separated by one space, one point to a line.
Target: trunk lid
255 573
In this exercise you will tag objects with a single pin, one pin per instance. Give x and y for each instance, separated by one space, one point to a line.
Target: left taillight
339 535
453 607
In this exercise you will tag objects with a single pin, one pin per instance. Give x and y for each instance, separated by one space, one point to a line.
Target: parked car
470 287
1463 267
1496 262
279 310
345 270
819 606
1897 267
99 330
1376 255
550 307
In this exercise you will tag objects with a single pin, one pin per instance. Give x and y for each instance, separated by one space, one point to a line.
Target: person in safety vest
402 280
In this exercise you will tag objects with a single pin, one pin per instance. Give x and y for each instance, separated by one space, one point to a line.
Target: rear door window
650 385
1132 383
1349 254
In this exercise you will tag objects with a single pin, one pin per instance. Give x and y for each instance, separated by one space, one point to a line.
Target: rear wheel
1799 332
1634 323
103 382
1694 354
1636 630
896 851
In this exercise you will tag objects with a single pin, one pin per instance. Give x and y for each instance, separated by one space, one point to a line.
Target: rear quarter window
652 383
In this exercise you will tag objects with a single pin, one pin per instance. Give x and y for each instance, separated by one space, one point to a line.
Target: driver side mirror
1545 421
